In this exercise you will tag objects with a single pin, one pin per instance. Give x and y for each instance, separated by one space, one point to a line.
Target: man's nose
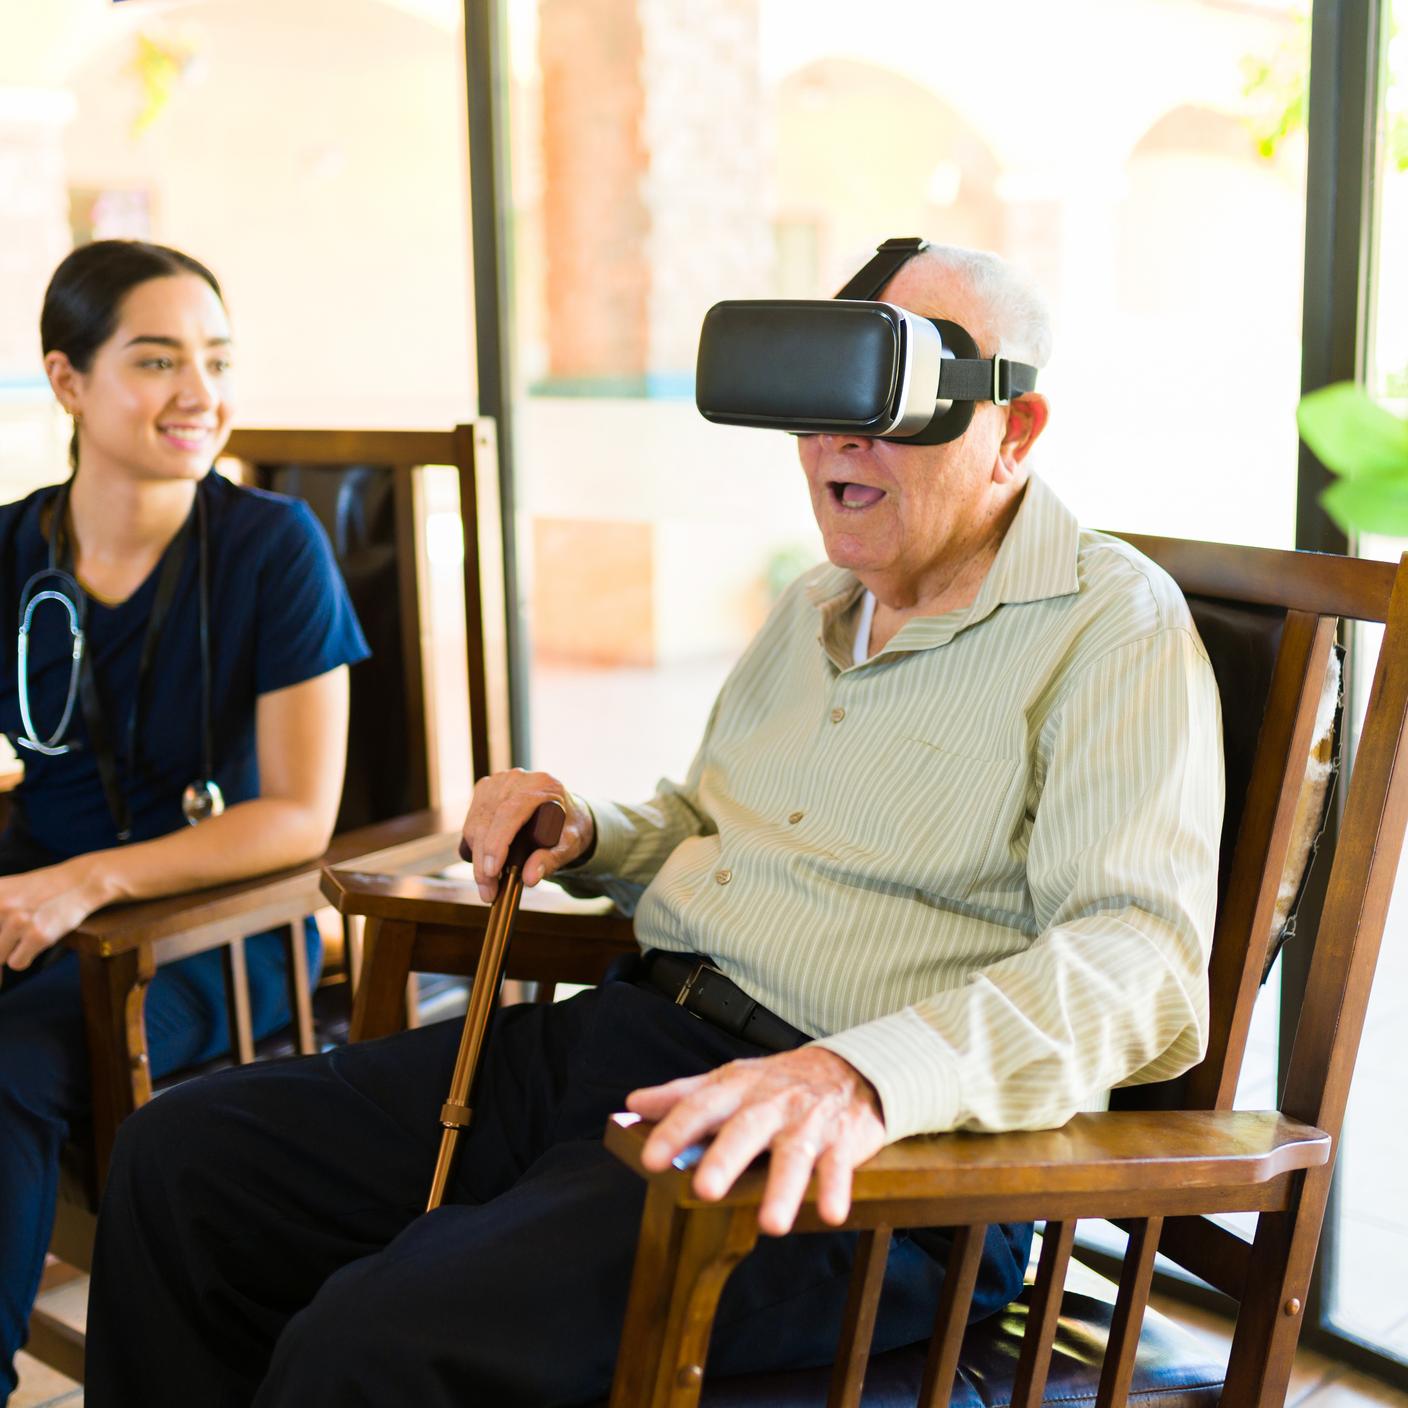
848 441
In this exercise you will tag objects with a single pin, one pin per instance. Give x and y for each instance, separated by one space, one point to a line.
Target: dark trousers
44 1083
262 1238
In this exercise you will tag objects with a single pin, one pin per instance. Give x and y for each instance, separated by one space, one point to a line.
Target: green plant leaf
1378 504
1352 435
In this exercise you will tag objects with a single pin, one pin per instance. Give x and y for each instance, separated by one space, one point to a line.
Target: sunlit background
1145 160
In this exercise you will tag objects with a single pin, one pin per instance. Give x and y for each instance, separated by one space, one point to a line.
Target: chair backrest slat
955 1298
1039 1337
858 1323
1136 1280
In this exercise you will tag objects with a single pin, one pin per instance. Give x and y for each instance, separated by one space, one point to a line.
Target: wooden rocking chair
1161 1166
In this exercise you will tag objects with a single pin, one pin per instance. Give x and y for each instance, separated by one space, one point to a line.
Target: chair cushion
1242 642
1172 1369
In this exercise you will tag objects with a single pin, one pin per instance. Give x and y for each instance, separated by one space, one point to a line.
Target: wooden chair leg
352 957
380 1007
682 1263
1273 1310
300 999
237 1003
114 989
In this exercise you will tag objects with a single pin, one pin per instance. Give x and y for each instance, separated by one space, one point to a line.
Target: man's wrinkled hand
501 804
811 1110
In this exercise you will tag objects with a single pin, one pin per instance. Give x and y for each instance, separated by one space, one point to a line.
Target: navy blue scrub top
279 614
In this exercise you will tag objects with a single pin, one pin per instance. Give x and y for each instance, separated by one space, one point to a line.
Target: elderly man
953 828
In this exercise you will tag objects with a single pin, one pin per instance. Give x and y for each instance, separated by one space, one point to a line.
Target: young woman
178 698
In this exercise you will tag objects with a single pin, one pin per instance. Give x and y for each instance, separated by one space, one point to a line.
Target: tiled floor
1316 1382
42 1387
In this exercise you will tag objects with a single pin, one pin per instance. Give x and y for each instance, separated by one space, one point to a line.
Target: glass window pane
312 154
1369 1296
667 155
314 157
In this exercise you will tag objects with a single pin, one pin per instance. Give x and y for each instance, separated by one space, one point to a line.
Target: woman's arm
301 734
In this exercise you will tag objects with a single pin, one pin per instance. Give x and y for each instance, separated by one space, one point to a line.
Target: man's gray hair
1019 312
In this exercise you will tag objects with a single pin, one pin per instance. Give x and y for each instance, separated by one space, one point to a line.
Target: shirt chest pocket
924 818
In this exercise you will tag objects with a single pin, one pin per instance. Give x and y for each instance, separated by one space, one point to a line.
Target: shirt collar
1037 560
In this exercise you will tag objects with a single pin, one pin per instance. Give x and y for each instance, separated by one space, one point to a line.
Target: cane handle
541 832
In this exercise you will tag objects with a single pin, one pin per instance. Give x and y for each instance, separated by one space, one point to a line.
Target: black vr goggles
848 365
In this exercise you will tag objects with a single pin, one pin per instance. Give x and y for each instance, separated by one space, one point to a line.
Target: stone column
594 211
656 200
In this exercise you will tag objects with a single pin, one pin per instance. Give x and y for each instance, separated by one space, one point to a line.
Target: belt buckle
688 986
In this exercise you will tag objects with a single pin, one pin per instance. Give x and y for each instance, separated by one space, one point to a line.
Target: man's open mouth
852 495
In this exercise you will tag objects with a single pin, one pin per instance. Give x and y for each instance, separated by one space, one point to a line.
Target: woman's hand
38 908
501 804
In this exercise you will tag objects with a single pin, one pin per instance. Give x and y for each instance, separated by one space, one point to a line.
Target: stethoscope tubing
203 797
50 747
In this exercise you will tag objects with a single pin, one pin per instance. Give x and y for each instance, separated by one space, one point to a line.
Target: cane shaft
456 1113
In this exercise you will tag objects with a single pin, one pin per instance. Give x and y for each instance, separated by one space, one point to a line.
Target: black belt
692 981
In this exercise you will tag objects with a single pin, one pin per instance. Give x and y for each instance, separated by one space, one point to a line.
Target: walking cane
540 832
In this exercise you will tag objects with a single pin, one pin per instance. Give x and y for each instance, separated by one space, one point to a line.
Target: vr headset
848 365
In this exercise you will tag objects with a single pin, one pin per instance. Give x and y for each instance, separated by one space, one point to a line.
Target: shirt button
794 818
837 714
723 876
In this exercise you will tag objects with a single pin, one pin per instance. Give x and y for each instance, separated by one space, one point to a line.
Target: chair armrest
441 899
202 919
555 938
1123 1163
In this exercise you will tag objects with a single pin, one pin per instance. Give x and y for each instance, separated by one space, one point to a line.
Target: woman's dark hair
84 297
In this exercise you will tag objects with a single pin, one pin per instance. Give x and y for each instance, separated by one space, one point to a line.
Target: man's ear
64 380
1026 419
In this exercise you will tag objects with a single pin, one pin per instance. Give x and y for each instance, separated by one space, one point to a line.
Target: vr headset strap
961 379
996 380
882 266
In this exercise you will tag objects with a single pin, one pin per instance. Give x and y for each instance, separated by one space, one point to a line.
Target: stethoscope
55 582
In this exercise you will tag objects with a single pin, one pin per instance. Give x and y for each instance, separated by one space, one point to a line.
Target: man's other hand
810 1109
500 805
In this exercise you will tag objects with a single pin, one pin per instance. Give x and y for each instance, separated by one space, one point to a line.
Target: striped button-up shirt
981 865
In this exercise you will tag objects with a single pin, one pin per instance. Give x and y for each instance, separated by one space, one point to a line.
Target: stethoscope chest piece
201 800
